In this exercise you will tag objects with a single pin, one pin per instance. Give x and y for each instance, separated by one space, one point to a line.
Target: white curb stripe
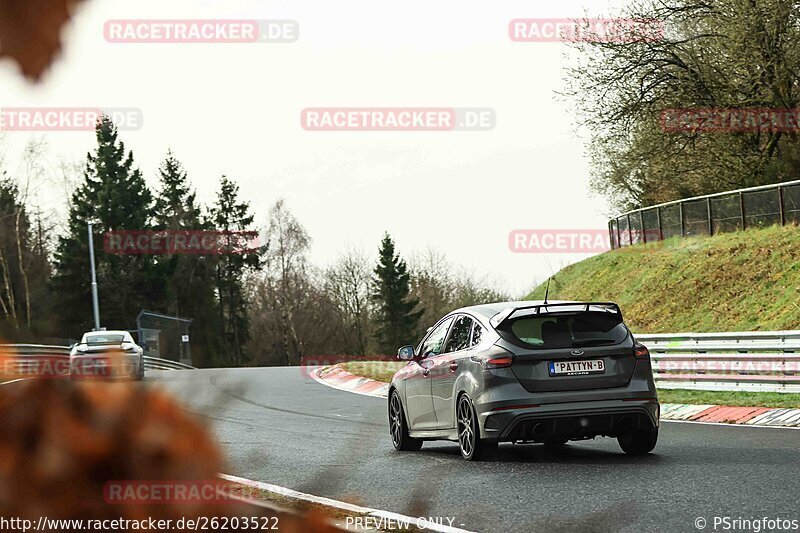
14 381
382 392
681 411
344 506
727 425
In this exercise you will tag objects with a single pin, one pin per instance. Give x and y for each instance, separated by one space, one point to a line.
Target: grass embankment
384 370
742 281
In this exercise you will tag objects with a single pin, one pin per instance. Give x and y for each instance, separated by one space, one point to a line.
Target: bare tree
723 54
348 284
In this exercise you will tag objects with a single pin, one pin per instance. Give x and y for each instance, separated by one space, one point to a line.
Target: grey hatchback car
525 372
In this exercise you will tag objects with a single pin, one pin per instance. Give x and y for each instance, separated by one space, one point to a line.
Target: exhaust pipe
539 429
624 423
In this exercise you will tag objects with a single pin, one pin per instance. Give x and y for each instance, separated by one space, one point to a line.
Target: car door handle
453 366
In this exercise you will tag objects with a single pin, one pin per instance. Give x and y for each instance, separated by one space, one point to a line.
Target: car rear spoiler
507 314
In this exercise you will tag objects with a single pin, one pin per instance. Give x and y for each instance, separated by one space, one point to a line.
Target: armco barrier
748 361
24 357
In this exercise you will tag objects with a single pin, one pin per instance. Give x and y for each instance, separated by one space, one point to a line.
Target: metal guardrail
155 363
767 361
708 215
25 358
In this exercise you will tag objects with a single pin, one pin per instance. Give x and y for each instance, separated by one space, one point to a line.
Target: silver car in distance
106 354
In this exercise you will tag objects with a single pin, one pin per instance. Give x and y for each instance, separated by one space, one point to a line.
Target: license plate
577 368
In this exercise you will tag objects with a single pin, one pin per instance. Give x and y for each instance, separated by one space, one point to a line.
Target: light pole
95 303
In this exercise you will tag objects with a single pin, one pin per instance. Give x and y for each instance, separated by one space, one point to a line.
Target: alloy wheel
466 430
396 420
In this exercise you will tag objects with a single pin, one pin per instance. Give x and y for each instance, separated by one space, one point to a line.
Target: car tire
638 442
398 429
472 447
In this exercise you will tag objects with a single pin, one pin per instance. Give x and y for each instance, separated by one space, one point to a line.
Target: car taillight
641 351
496 357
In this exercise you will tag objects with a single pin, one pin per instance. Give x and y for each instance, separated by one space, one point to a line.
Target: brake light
500 361
641 351
496 358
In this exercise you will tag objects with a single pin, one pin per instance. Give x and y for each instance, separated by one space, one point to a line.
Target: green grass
743 281
377 370
384 370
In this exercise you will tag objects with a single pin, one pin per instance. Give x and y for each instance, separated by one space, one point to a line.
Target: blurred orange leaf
30 32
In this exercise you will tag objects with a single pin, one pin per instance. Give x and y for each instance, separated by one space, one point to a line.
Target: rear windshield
568 330
104 339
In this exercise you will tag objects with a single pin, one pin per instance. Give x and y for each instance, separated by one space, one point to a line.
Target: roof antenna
547 291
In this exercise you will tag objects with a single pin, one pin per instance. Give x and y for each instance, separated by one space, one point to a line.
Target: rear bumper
572 420
108 367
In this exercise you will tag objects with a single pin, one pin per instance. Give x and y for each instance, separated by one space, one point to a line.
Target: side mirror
406 353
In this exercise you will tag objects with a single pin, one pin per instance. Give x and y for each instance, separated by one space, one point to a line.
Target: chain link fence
164 337
709 215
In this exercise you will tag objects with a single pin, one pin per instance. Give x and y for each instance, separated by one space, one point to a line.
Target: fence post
611 233
641 223
680 215
660 230
710 221
630 234
741 207
780 205
619 237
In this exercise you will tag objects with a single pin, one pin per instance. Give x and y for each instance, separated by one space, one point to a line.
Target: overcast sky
235 109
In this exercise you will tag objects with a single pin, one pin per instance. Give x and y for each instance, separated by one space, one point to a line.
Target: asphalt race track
281 427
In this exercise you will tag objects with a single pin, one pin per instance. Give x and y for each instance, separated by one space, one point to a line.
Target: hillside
742 281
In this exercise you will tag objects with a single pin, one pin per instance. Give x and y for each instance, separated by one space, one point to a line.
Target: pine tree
176 206
114 196
396 318
230 215
190 278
